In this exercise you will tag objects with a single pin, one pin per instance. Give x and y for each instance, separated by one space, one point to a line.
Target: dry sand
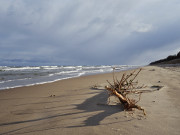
78 109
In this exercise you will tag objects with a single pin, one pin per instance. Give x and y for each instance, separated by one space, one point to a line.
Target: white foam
19 68
50 67
54 73
69 67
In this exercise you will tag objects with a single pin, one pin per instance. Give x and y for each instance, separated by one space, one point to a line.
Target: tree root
126 86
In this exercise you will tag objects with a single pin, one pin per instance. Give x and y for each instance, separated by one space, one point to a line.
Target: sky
88 32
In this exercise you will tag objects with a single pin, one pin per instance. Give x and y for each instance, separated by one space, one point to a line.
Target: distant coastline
171 59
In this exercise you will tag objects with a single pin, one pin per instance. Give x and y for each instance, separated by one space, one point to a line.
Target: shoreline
54 81
41 83
50 74
78 109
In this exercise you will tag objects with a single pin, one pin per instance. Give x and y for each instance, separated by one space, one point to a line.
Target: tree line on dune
171 59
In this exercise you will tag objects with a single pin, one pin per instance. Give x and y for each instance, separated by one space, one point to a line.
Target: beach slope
72 107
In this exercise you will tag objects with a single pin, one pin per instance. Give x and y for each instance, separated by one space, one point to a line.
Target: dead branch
126 86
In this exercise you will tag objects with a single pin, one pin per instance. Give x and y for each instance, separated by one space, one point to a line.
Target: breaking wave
11 77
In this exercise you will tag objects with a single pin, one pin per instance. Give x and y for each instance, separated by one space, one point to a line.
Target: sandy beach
72 107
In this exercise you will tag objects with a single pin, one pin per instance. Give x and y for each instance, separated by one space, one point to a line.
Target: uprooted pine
122 88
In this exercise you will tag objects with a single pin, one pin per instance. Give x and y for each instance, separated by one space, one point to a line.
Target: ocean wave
25 76
63 72
32 84
49 67
14 80
19 68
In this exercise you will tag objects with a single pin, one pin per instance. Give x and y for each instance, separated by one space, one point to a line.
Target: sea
18 76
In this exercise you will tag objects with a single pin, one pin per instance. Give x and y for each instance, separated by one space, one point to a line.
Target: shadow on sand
90 105
97 103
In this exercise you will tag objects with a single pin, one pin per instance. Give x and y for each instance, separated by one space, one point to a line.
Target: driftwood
122 88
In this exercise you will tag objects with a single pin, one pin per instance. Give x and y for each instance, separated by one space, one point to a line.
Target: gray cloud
87 32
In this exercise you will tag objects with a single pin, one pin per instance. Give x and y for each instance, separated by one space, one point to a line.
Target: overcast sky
88 32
